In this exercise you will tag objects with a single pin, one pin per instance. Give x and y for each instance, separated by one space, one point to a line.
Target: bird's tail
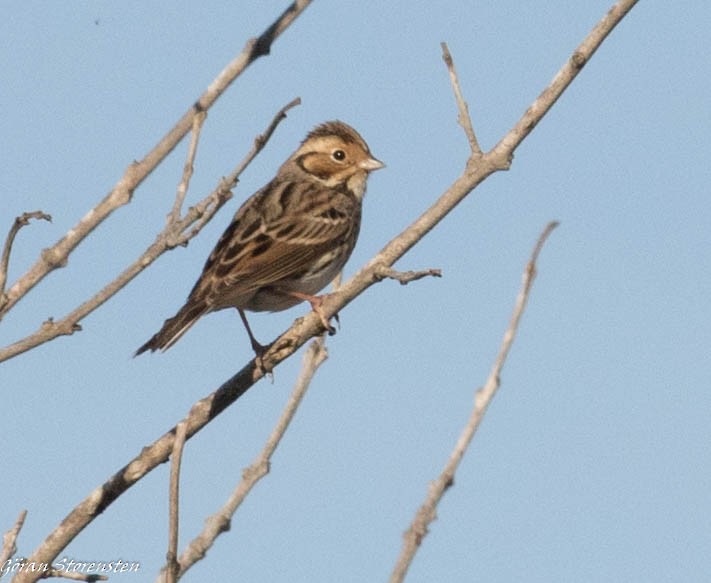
173 328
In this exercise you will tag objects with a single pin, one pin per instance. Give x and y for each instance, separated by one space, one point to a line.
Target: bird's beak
370 164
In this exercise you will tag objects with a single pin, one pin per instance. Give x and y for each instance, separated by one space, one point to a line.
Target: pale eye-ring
338 155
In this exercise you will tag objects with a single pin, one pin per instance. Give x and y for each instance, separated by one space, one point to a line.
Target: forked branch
219 522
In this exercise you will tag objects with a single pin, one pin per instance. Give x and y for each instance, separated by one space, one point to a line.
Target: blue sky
592 463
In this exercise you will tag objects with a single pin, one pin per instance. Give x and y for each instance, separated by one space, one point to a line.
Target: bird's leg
316 305
259 349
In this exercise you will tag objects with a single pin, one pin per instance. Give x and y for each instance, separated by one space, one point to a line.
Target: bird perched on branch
288 240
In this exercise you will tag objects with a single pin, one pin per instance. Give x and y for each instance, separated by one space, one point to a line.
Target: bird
288 240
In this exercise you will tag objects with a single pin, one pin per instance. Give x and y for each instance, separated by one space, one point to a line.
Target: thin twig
464 118
21 221
297 335
182 191
404 277
426 514
219 522
230 181
9 540
172 566
172 235
121 194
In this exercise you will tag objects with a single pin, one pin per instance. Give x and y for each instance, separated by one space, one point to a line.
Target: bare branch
9 539
198 122
563 78
404 277
21 221
121 194
219 522
426 514
172 566
174 234
302 330
464 118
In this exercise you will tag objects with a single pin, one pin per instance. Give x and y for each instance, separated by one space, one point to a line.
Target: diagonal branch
427 512
303 329
564 77
121 194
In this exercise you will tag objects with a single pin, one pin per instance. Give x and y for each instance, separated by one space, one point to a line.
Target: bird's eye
338 155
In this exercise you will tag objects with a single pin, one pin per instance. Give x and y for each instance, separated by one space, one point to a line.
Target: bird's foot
317 306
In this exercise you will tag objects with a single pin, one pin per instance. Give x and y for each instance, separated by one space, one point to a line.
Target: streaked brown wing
288 247
278 235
